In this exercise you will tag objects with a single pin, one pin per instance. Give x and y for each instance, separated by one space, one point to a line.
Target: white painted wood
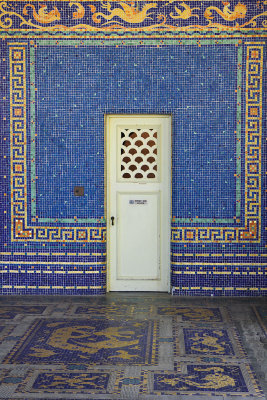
140 148
138 228
139 240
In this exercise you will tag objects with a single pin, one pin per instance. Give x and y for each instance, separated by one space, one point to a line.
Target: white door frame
165 218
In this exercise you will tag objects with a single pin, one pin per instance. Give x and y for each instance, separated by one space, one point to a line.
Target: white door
138 202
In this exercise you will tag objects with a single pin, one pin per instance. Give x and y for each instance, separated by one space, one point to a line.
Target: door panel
138 202
138 236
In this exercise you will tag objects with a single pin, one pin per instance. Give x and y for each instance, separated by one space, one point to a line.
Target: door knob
112 220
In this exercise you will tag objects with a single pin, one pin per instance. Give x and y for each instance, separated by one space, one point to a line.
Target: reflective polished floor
145 346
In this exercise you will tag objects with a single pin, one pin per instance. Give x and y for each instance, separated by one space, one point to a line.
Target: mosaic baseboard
229 279
51 278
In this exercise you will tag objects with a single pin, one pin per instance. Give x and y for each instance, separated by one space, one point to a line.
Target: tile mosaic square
204 379
54 382
58 382
207 341
88 341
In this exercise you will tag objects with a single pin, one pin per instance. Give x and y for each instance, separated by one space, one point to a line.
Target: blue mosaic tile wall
62 69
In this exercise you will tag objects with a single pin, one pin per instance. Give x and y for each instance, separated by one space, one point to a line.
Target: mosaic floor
126 346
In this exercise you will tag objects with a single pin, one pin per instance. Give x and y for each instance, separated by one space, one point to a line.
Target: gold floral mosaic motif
148 16
139 154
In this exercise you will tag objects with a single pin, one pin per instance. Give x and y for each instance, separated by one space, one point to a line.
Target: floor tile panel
124 346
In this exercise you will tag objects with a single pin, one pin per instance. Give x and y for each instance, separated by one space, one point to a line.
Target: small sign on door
138 202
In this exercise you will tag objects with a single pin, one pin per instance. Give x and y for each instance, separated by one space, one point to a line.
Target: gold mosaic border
251 232
86 17
20 231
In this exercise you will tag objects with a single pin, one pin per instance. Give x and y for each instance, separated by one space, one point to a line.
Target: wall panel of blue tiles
60 77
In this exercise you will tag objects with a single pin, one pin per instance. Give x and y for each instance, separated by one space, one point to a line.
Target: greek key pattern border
20 230
251 232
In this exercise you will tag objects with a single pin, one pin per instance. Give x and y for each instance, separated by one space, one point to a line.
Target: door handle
112 220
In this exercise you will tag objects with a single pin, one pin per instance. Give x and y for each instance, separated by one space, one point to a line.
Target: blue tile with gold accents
160 348
202 378
88 341
211 341
70 382
195 341
64 66
56 381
